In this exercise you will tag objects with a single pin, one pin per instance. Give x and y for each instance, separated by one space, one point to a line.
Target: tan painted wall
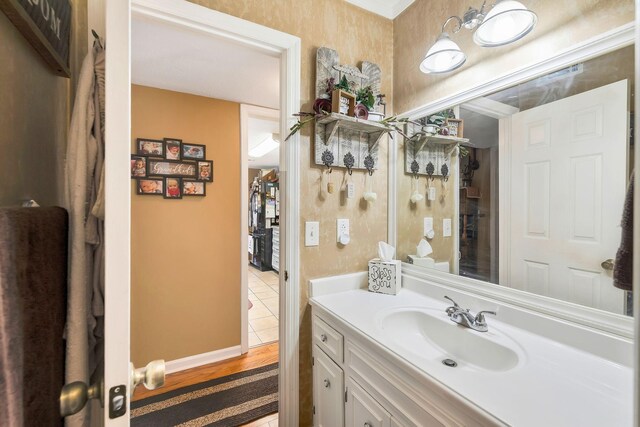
34 115
561 24
185 270
357 35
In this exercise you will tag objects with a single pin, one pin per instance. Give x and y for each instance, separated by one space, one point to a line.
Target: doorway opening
261 141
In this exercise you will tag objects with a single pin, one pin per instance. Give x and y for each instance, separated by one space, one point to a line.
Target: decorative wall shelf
344 140
428 154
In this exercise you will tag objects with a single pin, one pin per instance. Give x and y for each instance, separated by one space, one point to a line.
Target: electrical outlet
428 225
342 228
446 227
311 233
351 191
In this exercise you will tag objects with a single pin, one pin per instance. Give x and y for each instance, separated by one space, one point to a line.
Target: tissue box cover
384 276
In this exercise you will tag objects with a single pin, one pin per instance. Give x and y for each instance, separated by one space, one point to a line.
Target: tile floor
263 316
268 421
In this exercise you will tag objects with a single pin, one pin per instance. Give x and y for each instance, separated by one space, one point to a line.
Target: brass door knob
152 376
607 264
75 395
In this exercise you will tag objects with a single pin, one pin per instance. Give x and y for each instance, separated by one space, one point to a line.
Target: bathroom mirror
533 200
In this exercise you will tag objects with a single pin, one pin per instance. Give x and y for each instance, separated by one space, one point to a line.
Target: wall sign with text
46 24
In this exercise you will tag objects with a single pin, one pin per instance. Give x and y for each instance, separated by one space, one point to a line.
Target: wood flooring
255 358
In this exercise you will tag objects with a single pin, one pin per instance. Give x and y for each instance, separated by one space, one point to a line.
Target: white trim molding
190 362
596 46
390 9
286 47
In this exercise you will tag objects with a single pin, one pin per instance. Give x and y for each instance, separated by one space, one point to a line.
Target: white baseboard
201 359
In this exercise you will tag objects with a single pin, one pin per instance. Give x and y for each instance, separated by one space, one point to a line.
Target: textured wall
357 35
185 271
561 24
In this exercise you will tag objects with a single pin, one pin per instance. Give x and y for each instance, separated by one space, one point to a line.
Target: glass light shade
507 22
443 56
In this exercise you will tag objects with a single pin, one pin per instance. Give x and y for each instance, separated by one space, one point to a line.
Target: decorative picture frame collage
170 168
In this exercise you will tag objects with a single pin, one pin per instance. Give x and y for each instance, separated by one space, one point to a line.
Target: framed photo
149 147
456 127
205 170
150 186
193 151
172 188
138 166
172 147
194 188
343 102
171 168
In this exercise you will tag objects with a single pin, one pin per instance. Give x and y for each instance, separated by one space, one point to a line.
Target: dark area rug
227 401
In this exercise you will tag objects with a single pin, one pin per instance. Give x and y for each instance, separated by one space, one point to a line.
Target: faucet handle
454 308
479 320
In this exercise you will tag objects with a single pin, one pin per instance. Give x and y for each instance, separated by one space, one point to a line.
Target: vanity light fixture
265 147
506 22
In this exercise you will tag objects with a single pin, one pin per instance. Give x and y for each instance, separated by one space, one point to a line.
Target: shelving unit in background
265 200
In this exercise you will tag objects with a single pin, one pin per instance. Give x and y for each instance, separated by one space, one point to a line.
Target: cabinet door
363 410
328 389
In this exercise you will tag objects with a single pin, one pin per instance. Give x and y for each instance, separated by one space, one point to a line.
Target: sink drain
450 363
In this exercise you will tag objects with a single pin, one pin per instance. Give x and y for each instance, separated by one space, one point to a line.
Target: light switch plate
342 228
311 233
428 225
446 227
351 191
432 193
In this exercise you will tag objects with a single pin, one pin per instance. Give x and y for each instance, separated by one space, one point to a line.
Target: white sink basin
431 334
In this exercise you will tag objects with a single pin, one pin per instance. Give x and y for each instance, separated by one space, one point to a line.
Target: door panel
567 183
363 410
328 389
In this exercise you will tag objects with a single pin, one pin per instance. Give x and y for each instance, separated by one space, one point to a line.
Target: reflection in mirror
525 187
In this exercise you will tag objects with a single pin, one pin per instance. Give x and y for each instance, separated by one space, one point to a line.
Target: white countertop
553 384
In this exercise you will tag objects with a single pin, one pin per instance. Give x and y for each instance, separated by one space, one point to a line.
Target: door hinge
314 409
346 391
313 361
286 275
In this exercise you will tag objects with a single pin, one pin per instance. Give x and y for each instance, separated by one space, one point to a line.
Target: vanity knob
327 384
367 425
323 338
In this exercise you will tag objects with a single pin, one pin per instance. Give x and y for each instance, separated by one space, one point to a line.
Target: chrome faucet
463 317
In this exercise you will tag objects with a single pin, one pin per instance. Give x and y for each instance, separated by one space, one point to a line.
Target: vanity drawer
328 339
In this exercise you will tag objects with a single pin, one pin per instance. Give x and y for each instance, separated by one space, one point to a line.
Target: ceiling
183 60
388 8
259 130
481 130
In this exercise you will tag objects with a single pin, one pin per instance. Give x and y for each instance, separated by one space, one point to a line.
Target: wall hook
327 159
444 170
430 170
369 163
349 162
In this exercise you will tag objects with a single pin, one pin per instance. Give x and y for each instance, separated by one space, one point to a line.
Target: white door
328 389
567 185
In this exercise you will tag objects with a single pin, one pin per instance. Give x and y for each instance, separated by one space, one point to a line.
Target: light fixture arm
455 30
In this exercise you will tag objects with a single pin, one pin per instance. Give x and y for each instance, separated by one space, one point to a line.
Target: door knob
75 395
607 264
152 376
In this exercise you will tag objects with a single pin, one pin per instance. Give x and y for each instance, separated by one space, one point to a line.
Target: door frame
247 112
284 46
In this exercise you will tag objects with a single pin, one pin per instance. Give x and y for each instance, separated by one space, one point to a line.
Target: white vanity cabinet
362 410
358 384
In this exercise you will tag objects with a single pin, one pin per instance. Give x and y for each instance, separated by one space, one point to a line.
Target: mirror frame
617 324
